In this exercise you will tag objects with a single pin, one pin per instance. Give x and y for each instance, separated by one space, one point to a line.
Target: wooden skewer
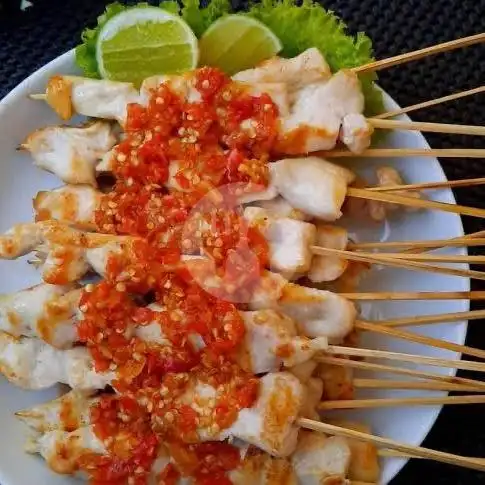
399 263
413 295
432 102
425 244
391 444
427 127
429 185
400 402
398 454
473 235
414 202
371 366
438 318
38 96
412 385
421 53
402 357
419 339
409 152
435 258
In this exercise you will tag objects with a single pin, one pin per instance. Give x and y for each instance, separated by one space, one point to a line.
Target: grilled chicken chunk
289 241
271 342
270 423
320 110
71 204
44 311
312 185
262 469
307 68
317 313
33 364
319 458
328 268
62 450
279 207
71 152
65 254
364 461
66 413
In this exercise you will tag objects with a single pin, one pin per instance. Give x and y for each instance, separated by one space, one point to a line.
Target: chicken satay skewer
432 102
391 444
415 202
421 53
446 128
421 244
409 152
399 263
337 457
435 258
366 437
430 185
416 338
401 357
428 319
422 385
358 364
400 402
413 295
397 454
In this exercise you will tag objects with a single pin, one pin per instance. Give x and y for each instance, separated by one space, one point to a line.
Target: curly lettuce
322 29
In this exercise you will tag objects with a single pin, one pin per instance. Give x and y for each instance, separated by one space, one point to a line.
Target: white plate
20 180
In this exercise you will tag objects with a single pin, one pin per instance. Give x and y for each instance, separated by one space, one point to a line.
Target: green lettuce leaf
200 18
322 29
86 52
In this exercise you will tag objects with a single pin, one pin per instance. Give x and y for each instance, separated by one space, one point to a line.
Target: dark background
30 39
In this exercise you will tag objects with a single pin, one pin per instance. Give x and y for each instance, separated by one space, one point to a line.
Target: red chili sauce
175 152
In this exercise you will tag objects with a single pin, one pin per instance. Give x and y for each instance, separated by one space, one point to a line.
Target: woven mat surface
30 39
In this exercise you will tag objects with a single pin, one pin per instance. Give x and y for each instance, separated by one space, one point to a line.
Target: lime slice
237 42
145 41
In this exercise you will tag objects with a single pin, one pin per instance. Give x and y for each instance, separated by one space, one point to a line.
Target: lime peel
237 42
157 41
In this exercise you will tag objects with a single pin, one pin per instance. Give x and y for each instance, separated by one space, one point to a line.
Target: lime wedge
237 42
145 41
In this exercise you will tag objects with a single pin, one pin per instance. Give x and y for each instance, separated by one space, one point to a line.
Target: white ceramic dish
20 180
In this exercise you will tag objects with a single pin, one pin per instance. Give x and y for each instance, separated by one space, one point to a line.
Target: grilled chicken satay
312 185
316 109
297 72
318 313
279 207
328 268
109 99
44 311
66 413
71 204
337 382
66 254
290 242
269 424
271 341
388 176
316 457
70 152
33 364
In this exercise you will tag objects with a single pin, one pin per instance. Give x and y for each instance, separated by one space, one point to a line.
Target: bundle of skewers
200 305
